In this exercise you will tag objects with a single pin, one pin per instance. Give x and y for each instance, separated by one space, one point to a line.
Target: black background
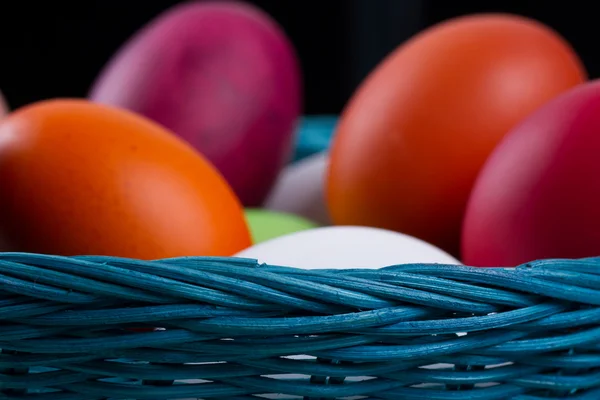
56 48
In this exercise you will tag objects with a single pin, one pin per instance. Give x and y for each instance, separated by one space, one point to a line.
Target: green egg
265 224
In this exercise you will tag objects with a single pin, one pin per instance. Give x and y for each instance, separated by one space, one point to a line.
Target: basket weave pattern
80 328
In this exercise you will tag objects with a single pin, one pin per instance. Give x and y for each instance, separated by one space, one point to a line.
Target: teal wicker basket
91 328
314 135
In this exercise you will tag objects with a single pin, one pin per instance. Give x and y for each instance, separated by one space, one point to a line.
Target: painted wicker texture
233 329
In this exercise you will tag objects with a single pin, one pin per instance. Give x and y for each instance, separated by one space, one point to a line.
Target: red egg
538 195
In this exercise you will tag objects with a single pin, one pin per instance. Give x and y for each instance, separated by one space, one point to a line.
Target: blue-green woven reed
314 135
229 328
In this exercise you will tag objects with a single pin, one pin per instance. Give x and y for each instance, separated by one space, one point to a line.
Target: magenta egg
223 76
537 195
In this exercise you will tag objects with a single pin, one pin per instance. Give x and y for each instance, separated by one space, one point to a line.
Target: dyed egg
265 225
413 138
224 77
336 247
300 189
82 178
537 196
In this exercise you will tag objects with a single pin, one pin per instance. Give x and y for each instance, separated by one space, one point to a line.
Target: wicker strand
94 327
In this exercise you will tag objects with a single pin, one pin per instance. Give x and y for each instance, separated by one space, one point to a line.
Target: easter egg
83 178
265 225
224 77
300 189
335 247
537 195
413 138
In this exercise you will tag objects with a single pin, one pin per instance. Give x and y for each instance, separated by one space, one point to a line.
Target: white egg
300 189
336 247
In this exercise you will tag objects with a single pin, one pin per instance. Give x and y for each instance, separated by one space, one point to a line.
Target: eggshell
300 189
411 141
336 247
224 77
537 196
265 225
82 178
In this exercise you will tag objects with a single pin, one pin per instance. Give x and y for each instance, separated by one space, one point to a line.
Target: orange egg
411 141
81 178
